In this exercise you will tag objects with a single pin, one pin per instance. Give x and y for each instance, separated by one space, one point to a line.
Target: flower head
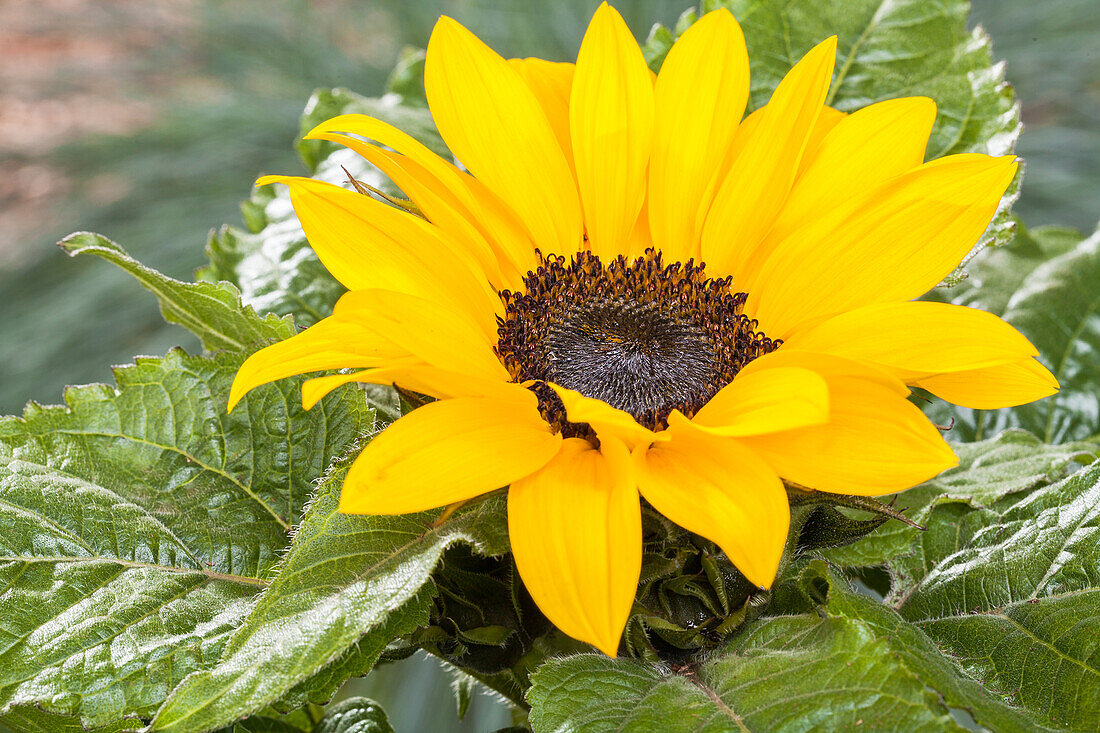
630 291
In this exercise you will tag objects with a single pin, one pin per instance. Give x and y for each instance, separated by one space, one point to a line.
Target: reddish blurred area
70 68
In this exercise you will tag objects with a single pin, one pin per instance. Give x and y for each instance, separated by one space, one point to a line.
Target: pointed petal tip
446 22
243 383
610 649
265 180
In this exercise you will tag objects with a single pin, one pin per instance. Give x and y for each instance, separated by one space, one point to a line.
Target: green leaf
988 471
30 719
211 311
1012 590
1054 301
995 275
276 270
854 664
348 581
141 522
407 77
885 50
272 264
355 715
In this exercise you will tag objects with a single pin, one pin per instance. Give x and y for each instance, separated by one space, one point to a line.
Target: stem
802 495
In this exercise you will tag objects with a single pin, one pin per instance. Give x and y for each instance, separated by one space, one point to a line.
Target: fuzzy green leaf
355 715
1044 284
988 471
347 582
211 311
854 664
1012 590
141 522
32 719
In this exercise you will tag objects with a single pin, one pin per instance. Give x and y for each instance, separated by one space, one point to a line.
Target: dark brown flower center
643 336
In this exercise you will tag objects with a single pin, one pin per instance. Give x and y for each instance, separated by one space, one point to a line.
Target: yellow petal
411 374
640 238
606 420
894 243
576 534
331 343
830 117
434 200
449 451
719 489
433 332
1004 385
760 178
493 123
482 207
746 132
699 97
611 125
765 401
876 441
367 244
827 365
552 83
316 389
866 148
915 339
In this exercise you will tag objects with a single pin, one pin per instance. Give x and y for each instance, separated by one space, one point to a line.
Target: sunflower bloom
631 290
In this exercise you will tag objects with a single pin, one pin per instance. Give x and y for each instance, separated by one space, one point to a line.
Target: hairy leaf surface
853 665
349 582
1013 591
211 311
988 471
141 521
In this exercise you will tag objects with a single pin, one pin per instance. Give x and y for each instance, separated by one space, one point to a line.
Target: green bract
167 566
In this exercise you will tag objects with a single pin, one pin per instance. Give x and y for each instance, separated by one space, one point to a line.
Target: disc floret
643 336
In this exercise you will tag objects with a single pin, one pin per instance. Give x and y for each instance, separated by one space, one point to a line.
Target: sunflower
630 290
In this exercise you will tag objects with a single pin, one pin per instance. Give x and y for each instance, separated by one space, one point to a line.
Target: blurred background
148 121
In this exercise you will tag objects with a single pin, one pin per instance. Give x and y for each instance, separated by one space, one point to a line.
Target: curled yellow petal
449 451
435 201
576 533
606 420
482 207
332 343
367 244
721 490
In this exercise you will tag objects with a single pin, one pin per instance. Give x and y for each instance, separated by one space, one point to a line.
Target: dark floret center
643 336
634 356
